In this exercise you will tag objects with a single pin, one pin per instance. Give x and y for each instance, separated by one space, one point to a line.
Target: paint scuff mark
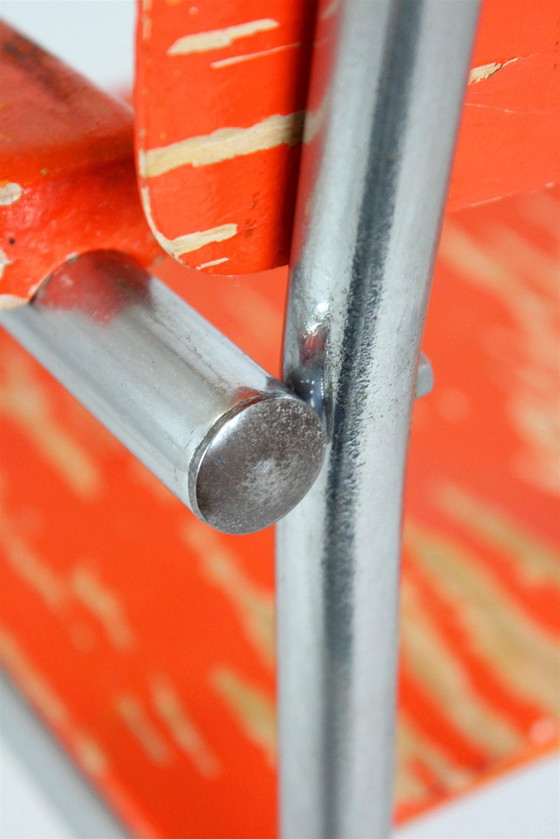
486 71
219 38
34 571
10 193
132 711
253 709
104 605
521 651
443 675
250 56
535 560
189 242
91 756
25 401
183 730
524 280
212 262
223 144
413 747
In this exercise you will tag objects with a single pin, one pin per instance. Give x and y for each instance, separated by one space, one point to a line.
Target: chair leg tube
385 100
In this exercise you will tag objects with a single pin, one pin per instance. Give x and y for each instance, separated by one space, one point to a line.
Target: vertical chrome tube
386 94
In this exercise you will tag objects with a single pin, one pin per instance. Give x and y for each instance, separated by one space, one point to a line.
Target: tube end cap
257 464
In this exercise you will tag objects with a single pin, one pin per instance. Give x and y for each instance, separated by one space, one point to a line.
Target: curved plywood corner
67 178
220 98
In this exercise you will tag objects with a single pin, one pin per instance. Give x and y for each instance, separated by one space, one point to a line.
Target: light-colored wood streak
104 605
412 746
408 787
219 38
223 144
525 656
134 715
486 71
88 751
251 56
254 604
34 570
536 561
252 708
57 592
442 674
212 262
25 401
181 727
523 353
188 242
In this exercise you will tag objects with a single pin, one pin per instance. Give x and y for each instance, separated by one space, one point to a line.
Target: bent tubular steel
373 185
223 435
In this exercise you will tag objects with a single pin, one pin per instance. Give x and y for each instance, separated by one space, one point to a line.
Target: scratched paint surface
146 640
67 177
220 98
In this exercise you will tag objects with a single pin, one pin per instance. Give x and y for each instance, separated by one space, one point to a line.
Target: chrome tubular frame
373 185
216 429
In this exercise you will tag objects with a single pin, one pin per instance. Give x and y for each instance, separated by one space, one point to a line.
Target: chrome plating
216 429
374 180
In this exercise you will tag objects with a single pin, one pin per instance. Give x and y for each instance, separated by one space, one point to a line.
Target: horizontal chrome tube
386 93
223 435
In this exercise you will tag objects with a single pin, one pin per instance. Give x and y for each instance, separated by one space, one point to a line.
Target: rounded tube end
256 464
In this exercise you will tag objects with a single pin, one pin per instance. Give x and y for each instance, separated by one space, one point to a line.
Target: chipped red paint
510 132
508 142
67 179
197 92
